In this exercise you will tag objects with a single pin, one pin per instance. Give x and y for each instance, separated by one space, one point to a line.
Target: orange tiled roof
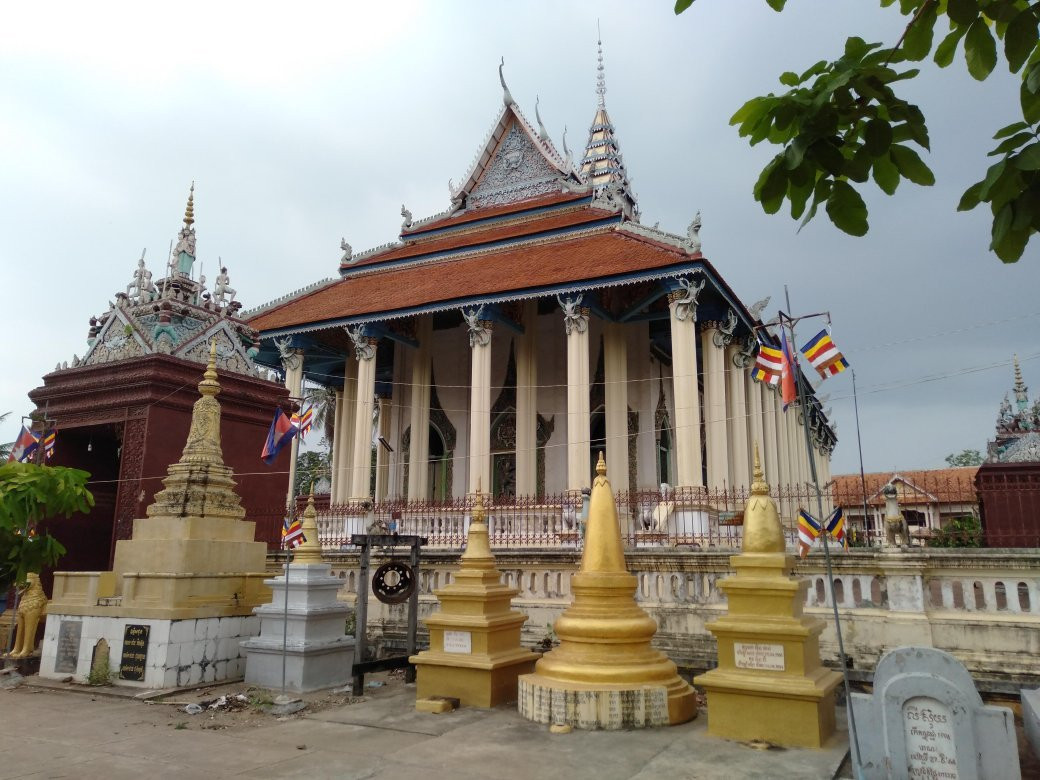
494 211
534 265
495 232
955 485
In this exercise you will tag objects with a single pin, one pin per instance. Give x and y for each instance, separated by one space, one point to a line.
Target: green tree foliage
310 467
30 494
965 458
841 123
959 532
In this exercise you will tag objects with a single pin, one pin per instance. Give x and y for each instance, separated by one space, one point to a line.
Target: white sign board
458 642
928 727
757 655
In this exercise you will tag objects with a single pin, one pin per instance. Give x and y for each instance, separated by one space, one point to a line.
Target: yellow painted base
436 705
778 710
599 706
474 681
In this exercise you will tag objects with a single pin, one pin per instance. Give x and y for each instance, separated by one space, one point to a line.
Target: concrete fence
981 605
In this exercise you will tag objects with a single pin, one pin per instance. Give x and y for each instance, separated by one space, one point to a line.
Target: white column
579 434
527 403
365 348
419 413
615 393
737 422
337 422
682 306
480 404
344 437
715 410
382 454
292 362
769 445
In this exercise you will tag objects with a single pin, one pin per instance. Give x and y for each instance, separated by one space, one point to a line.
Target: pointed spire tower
184 252
603 167
1021 391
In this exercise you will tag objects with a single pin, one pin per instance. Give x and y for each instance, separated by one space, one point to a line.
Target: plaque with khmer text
135 653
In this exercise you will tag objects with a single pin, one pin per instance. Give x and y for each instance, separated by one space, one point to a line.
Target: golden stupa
605 674
769 684
475 654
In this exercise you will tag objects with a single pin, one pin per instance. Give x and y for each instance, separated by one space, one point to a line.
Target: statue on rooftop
348 253
222 288
141 287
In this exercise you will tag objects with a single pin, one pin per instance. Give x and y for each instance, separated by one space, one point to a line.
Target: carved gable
517 172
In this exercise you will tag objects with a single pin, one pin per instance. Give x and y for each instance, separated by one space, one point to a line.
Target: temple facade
502 343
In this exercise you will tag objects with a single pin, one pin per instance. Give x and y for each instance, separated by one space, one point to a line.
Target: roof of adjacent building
923 486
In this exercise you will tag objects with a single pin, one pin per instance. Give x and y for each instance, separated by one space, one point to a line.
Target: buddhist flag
768 365
292 533
280 434
836 528
824 356
788 392
48 443
24 446
303 420
808 530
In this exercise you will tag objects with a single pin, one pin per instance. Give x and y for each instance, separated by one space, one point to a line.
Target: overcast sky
304 124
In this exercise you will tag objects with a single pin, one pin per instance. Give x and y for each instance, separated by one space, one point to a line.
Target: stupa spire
1021 391
189 210
602 165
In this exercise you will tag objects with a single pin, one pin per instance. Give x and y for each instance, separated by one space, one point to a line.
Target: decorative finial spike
601 465
507 98
189 210
757 469
601 81
544 136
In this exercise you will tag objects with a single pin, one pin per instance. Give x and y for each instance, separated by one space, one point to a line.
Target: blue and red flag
281 433
788 391
24 446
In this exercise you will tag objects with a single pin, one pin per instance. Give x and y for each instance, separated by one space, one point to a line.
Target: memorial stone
99 662
69 633
135 653
926 720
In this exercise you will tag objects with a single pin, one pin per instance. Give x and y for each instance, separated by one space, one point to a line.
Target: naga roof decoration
175 316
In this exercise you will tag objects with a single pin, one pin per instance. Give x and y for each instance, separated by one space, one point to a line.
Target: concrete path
52 734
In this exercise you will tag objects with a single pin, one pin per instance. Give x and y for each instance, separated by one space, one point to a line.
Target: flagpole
859 443
285 617
826 549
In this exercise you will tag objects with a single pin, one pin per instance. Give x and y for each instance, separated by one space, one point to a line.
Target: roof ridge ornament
189 210
542 135
507 98
693 233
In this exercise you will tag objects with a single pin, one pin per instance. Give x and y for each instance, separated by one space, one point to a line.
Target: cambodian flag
281 432
24 446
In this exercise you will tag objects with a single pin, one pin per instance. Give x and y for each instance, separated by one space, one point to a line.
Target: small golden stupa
769 684
475 654
605 674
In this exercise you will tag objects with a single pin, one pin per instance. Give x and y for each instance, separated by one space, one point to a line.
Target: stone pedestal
318 653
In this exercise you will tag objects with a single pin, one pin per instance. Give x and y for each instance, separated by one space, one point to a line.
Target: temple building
502 343
1008 483
122 411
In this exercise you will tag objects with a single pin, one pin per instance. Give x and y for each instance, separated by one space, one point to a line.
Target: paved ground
60 734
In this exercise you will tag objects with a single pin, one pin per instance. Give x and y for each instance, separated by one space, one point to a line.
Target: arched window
664 457
439 489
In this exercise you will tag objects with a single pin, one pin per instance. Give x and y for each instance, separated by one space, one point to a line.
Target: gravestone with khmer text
926 720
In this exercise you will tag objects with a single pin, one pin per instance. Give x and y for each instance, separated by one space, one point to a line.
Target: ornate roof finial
189 210
209 386
507 98
1021 391
566 151
541 128
601 81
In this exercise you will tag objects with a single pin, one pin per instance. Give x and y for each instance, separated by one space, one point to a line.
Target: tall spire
1021 391
189 210
507 98
601 81
602 165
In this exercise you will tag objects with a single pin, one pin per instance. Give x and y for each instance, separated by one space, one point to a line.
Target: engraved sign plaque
458 642
928 728
758 655
69 632
135 653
